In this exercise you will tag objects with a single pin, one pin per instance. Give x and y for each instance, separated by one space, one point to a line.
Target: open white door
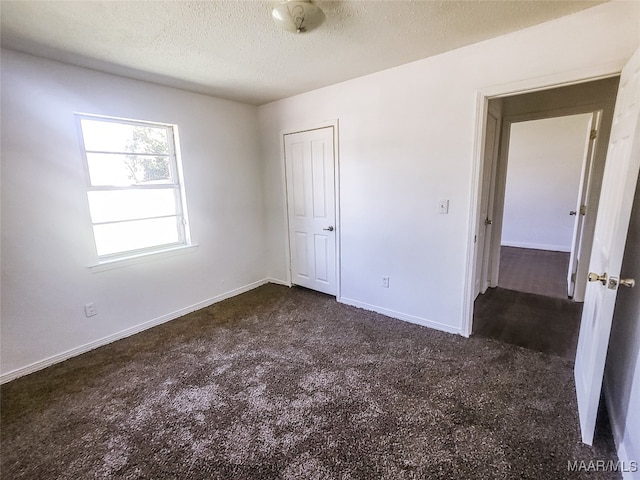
612 223
581 206
484 228
309 165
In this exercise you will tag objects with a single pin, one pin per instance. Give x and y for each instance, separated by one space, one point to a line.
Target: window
134 189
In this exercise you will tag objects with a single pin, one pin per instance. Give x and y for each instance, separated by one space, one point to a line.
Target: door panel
319 176
298 183
309 165
484 230
322 260
581 206
612 223
300 247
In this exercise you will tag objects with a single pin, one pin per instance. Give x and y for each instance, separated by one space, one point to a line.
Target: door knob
628 282
329 228
594 277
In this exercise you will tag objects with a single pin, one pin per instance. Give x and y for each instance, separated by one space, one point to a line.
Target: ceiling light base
298 16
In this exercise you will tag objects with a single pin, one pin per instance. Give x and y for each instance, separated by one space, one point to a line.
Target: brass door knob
628 282
594 277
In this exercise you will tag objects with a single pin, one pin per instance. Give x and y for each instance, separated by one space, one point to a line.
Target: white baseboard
60 357
625 456
537 246
401 316
278 282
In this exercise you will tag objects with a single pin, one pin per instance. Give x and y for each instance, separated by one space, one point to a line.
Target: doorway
548 170
545 169
534 213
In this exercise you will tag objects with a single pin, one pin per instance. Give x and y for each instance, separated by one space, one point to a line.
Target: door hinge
593 135
573 277
583 209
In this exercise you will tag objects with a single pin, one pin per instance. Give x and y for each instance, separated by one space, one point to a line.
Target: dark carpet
542 272
545 324
285 383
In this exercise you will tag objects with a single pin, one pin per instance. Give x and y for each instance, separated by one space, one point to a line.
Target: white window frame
126 257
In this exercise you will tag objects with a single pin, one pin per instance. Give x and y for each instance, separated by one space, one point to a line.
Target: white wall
622 373
47 240
407 139
543 177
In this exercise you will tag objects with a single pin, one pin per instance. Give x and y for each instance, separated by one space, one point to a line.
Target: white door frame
483 96
336 163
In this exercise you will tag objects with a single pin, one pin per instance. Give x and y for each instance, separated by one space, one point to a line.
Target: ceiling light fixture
298 15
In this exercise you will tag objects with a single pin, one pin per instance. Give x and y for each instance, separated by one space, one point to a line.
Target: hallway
530 307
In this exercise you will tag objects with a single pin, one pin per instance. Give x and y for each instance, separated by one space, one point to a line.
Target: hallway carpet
283 383
545 324
542 272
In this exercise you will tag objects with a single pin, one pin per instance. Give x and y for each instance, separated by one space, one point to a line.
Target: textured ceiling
232 49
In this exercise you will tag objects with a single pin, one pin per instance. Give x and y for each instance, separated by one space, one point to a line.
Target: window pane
104 136
122 170
134 190
115 205
122 237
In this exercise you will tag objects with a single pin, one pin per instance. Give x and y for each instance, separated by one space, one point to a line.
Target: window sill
142 257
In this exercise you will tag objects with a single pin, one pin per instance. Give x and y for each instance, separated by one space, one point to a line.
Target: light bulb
297 15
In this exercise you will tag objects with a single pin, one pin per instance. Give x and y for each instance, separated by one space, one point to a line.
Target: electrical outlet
90 310
385 282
